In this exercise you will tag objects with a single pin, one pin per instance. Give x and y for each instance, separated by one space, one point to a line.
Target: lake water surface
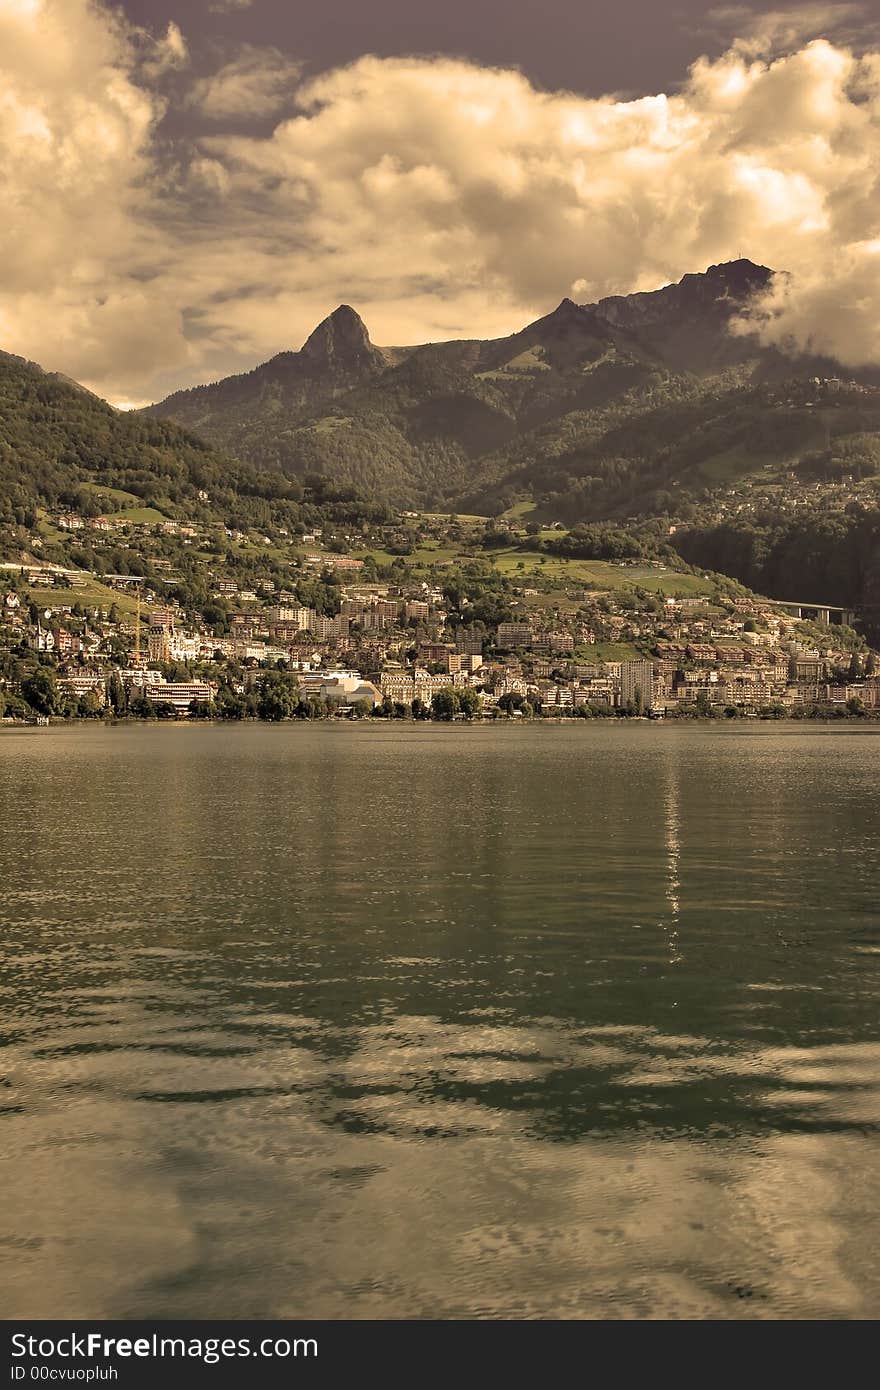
411 1021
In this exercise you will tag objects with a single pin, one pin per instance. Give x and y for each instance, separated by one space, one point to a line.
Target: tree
871 664
40 689
90 705
216 616
228 703
418 709
117 697
141 708
510 702
855 668
277 695
774 711
444 704
469 703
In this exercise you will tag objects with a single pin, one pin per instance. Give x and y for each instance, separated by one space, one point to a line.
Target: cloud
166 54
441 198
830 309
259 82
77 245
769 33
439 178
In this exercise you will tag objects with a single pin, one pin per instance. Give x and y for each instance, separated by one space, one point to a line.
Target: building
297 614
180 694
339 687
436 652
82 682
330 629
140 676
637 684
457 661
512 635
66 642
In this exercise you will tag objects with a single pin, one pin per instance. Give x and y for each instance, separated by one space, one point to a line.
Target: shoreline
502 722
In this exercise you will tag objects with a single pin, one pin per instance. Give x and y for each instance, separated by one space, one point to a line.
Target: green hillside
62 449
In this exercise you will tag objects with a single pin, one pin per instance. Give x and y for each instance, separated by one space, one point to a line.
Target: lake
409 1021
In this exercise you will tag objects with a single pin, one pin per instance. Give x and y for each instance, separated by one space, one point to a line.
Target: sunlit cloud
443 199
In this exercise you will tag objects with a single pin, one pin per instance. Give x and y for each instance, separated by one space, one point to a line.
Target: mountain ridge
480 423
344 325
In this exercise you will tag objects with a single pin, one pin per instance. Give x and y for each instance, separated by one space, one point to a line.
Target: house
82 682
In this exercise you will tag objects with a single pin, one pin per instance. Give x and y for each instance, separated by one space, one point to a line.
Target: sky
188 188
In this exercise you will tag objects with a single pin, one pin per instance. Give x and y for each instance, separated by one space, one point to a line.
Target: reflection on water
672 826
355 1022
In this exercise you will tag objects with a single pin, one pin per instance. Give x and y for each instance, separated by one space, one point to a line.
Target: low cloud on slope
441 198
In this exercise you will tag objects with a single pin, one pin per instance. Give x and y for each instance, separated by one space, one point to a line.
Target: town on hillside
453 623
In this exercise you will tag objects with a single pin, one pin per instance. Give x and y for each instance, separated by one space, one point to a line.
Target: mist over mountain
586 411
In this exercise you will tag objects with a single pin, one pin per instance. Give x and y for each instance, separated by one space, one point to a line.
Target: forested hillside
62 448
830 559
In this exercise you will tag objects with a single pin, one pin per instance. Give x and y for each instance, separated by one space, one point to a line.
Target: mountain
773 479
243 413
588 412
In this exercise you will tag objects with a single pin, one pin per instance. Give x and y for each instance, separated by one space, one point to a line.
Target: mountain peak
741 267
739 277
340 340
566 311
562 319
709 298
